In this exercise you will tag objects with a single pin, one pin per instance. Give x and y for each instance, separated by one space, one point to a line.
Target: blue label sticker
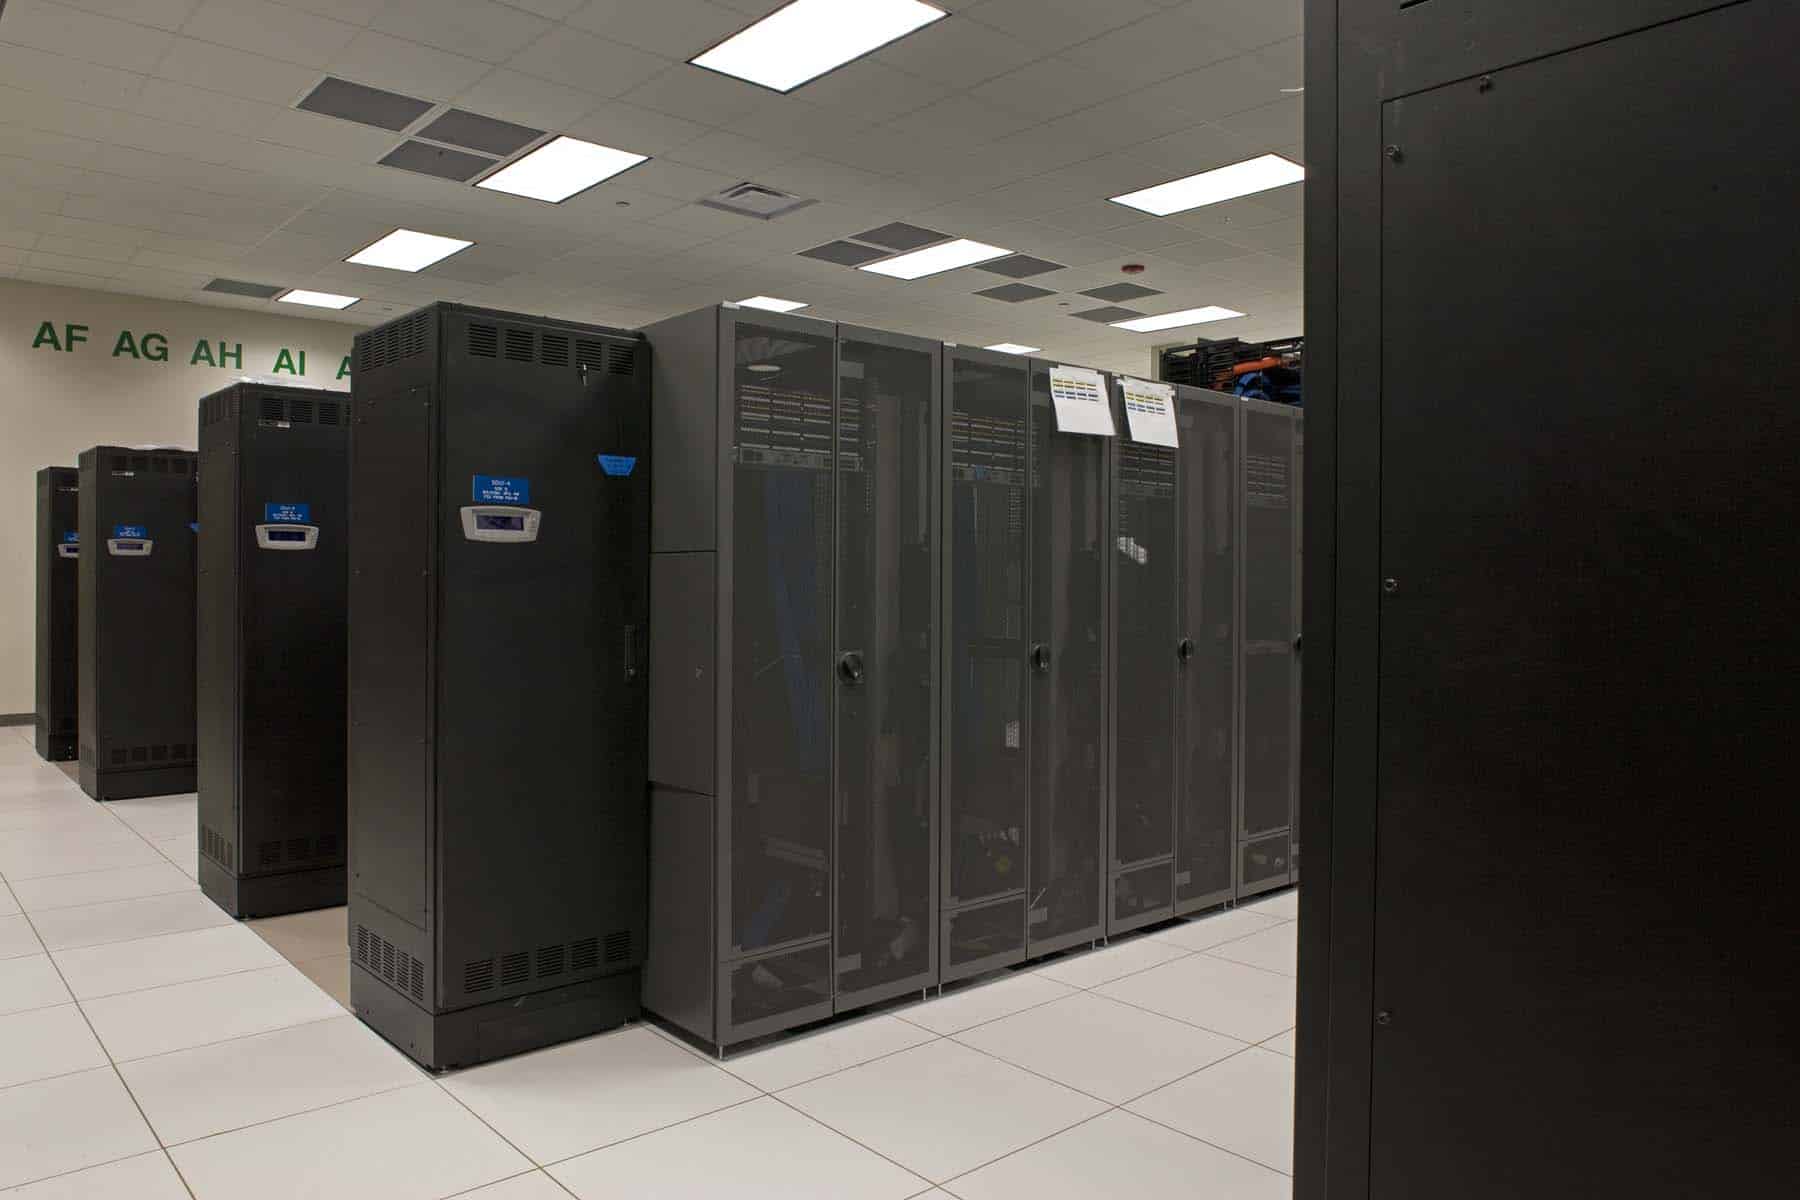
618 464
194 525
71 538
133 532
287 514
502 489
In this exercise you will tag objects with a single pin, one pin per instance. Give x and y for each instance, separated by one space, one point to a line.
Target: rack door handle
1184 649
1040 658
850 667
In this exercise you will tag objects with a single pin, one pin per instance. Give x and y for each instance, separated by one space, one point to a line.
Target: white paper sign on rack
1079 396
1149 411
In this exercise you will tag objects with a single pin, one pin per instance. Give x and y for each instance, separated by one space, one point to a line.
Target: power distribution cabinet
1269 665
1174 568
135 630
793 665
58 555
1025 587
273 554
500 503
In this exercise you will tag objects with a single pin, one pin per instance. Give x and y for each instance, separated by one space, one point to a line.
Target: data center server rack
497 703
794 666
135 630
58 549
274 495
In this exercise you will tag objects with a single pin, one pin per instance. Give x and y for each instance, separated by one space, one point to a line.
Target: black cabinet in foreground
58 554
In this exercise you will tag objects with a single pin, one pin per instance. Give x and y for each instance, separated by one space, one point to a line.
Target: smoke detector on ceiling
756 200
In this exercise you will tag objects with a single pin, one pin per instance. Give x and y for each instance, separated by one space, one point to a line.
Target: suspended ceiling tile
275 30
474 28
1015 293
408 66
589 63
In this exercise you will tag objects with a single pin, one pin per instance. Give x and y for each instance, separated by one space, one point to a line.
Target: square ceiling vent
756 200
365 105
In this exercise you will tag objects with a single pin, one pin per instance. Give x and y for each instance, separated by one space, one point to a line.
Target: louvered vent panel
300 412
553 350
484 341
618 946
515 968
415 982
520 345
590 354
268 853
412 335
478 976
328 413
549 961
584 955
270 410
299 848
621 360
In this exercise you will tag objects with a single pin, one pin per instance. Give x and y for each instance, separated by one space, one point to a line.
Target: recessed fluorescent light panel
316 299
772 304
408 250
1213 187
934 260
559 169
1013 348
807 38
1187 316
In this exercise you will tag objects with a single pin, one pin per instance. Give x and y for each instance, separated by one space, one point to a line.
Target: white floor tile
159 878
1121 1154
1244 1104
567 1099
59 816
159 816
17 938
150 962
30 982
1092 968
1214 929
139 1024
1275 949
412 1144
46 1042
64 1124
183 851
1282 1043
942 1108
1099 1046
8 906
973 1003
797 1059
32 781
210 1089
146 1177
762 1150
1282 905
39 855
127 920
1225 997
533 1186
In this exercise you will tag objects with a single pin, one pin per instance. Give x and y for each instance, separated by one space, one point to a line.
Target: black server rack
1174 568
1269 659
1026 585
1550 660
499 484
793 671
135 629
58 552
273 557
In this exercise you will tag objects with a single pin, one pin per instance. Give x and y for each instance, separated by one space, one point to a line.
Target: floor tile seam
87 871
853 1140
1039 1074
1186 1075
184 982
15 878
121 900
930 1038
93 1166
105 1062
1072 990
299 1112
1241 963
946 1182
1221 1149
126 940
554 1182
1183 1020
568 1158
225 1041
1185 953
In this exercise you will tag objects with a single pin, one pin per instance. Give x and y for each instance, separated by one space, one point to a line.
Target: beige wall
56 403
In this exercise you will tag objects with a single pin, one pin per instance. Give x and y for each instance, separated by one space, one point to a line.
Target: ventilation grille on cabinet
610 357
555 350
547 962
169 753
377 955
392 342
281 412
551 349
521 345
484 341
296 850
1265 481
217 847
220 407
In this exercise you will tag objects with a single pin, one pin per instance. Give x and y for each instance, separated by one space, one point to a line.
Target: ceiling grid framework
153 146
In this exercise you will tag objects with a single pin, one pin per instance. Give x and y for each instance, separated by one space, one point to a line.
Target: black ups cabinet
500 498
1175 539
58 555
274 526
1269 661
135 630
1026 589
793 667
